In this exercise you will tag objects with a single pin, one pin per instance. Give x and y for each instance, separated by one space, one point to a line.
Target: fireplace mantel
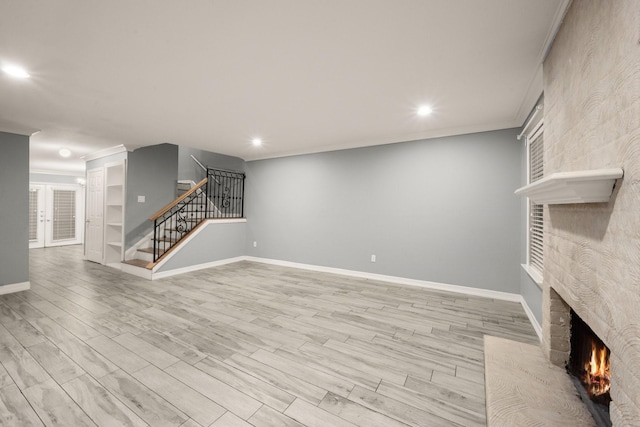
591 186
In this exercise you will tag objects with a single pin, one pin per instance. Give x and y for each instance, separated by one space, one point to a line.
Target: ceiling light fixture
64 152
257 142
15 71
424 110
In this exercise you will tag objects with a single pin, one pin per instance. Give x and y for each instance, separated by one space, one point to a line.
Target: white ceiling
305 76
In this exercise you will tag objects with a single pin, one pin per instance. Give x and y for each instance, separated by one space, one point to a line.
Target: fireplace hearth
590 369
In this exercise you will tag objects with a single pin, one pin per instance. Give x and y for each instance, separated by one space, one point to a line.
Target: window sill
533 273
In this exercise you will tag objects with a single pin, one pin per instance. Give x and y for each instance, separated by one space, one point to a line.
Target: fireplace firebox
590 370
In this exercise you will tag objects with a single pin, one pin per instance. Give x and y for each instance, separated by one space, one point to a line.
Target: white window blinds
536 223
33 215
64 214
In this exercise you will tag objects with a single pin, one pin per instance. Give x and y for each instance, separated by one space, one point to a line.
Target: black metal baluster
155 238
242 199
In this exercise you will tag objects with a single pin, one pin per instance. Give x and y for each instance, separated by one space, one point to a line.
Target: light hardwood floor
245 344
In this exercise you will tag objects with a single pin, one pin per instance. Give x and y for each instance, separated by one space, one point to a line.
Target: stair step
166 239
137 262
150 251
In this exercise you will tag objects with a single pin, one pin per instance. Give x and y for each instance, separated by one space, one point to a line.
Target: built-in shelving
114 213
591 186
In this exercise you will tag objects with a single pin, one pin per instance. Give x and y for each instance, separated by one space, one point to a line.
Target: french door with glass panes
55 215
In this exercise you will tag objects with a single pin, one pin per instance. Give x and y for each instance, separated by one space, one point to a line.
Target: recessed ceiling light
256 141
424 110
64 152
15 71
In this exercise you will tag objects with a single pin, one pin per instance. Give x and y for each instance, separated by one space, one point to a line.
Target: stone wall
592 251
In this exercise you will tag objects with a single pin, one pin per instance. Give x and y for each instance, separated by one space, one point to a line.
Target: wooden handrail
178 200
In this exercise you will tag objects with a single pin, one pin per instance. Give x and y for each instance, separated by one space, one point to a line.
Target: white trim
75 174
590 186
14 287
414 136
136 271
504 296
191 236
528 202
532 318
533 273
104 153
536 109
561 11
117 265
535 89
191 268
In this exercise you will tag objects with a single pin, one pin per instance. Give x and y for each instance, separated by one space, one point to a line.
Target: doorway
55 215
95 213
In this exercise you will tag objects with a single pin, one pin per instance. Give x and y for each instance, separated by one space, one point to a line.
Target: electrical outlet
255 244
141 199
373 258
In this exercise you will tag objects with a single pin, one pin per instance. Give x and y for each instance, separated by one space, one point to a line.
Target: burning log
597 378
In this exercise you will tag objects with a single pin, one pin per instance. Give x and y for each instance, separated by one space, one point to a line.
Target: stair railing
226 193
174 221
220 195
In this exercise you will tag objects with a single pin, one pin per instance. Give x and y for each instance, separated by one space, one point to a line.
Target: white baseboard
136 271
191 268
504 296
466 290
14 287
532 318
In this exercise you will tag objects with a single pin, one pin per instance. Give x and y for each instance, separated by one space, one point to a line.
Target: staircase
220 195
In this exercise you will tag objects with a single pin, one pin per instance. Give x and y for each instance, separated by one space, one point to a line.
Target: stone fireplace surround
574 279
592 251
556 345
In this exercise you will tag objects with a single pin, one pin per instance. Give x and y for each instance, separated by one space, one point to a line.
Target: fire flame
597 371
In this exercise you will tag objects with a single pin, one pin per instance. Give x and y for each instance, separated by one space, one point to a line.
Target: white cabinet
115 178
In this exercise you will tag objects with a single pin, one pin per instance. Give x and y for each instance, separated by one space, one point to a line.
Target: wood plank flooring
244 344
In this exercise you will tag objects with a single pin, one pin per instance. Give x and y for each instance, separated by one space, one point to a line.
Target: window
535 145
33 214
64 214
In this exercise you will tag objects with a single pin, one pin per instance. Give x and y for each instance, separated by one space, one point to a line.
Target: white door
95 224
55 215
36 215
63 225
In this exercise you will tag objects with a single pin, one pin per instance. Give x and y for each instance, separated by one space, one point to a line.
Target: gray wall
188 169
151 172
14 209
440 210
214 243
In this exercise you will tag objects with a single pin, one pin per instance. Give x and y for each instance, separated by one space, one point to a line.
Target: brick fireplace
592 251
